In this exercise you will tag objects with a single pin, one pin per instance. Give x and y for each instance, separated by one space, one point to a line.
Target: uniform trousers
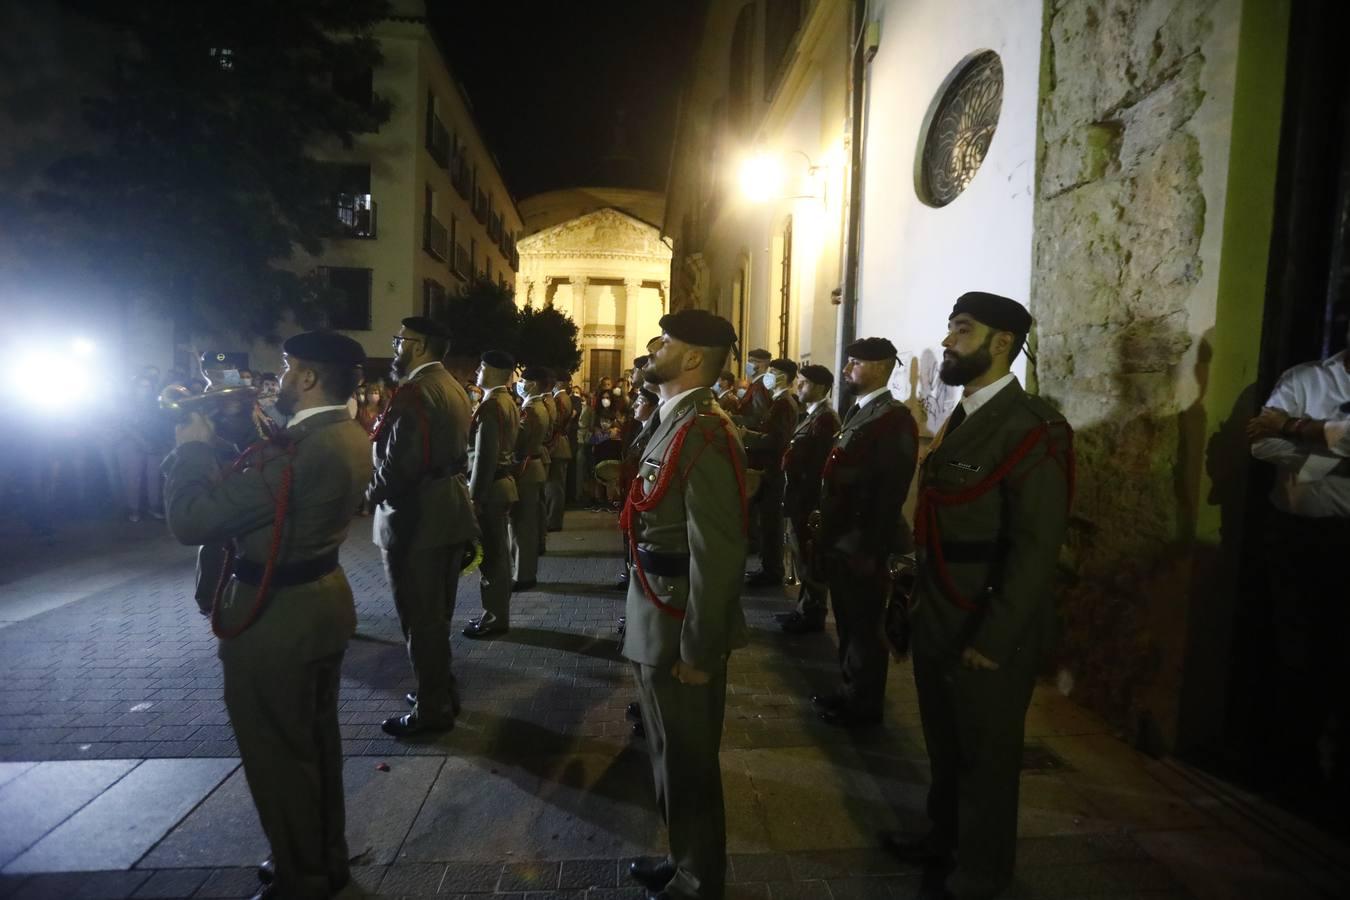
495 570
284 714
525 531
973 724
859 613
684 737
140 469
813 594
425 582
555 493
769 512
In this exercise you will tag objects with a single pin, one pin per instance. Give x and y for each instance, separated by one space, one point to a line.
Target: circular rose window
960 127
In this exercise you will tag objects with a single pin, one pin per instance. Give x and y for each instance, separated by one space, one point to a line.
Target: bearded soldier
993 508
685 519
531 461
423 517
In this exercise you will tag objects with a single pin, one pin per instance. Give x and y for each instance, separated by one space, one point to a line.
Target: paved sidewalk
119 776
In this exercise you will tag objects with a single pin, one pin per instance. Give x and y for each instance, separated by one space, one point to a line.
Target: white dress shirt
304 414
868 398
668 405
413 374
974 401
1304 485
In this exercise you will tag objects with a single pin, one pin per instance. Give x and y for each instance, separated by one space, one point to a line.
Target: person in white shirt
1304 432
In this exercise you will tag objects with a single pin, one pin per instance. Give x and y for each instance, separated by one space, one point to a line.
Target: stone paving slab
121 824
540 791
42 796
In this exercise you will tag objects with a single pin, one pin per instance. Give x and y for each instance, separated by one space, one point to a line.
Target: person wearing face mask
559 456
531 470
604 390
423 517
803 464
753 406
725 389
369 405
492 483
765 447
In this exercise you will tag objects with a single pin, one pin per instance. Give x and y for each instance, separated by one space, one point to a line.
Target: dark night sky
549 81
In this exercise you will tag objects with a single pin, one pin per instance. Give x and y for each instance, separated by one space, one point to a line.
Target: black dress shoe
523 585
633 712
267 871
844 717
800 624
828 701
638 729
654 876
409 725
621 585
919 851
476 629
411 697
763 579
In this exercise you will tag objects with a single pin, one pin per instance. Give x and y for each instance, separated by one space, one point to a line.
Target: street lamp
763 174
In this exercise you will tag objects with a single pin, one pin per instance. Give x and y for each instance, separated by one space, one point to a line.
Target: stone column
664 288
544 284
579 283
524 288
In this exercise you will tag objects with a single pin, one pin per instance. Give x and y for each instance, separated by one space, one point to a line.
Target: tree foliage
548 338
204 181
483 316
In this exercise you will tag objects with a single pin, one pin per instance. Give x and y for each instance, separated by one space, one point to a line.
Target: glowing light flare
64 386
83 346
761 178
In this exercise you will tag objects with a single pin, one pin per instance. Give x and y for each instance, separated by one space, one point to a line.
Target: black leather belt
971 551
667 565
288 575
458 468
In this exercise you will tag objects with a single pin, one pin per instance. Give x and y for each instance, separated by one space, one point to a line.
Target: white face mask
604 401
771 381
618 392
520 389
740 392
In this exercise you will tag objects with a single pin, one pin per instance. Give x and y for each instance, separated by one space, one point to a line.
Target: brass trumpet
182 403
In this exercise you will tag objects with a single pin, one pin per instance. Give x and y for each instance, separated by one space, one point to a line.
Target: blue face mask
520 389
740 392
771 381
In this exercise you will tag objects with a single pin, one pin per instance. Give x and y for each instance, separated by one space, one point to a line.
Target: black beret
699 327
649 396
818 375
871 349
760 353
325 347
423 325
999 313
640 361
499 359
533 373
785 365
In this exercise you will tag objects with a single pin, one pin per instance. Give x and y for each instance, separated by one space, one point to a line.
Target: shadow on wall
1128 557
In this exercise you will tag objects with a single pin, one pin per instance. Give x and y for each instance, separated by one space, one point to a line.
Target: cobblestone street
120 777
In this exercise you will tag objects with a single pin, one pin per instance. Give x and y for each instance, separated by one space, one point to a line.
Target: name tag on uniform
966 467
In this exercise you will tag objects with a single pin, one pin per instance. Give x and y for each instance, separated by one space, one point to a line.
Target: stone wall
1119 223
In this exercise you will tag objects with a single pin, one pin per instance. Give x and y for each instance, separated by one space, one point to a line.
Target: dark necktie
958 416
852 411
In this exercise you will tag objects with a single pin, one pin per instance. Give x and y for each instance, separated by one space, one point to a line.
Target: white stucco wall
916 260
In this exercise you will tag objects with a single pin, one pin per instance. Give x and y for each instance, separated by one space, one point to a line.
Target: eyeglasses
398 341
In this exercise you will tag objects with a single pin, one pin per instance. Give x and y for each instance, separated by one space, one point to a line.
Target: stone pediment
605 233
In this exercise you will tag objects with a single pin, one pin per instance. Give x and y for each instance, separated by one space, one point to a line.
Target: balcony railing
438 142
435 238
462 265
461 177
355 215
480 207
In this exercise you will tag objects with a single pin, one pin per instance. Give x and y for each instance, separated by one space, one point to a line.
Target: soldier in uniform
531 471
754 406
492 485
802 467
283 610
994 495
685 517
423 516
765 447
863 487
559 458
